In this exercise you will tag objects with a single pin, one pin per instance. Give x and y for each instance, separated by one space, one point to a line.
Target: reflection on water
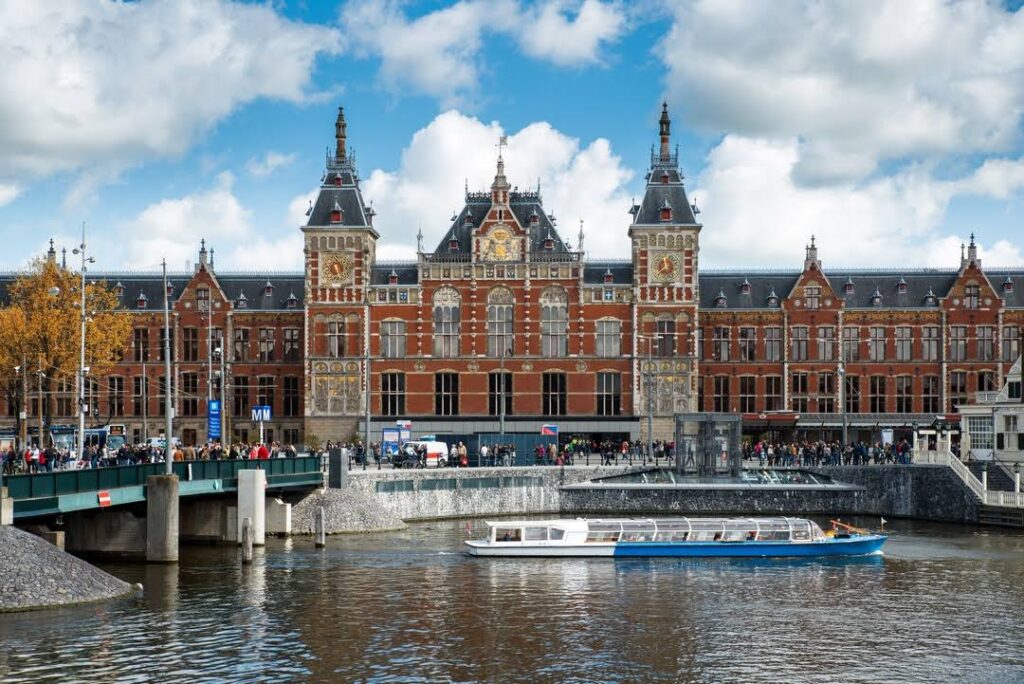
943 604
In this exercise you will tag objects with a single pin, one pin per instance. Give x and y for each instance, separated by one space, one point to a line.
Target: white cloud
756 214
857 83
577 181
438 53
104 86
268 164
8 193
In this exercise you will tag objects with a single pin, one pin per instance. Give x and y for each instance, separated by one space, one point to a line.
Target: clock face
336 268
665 266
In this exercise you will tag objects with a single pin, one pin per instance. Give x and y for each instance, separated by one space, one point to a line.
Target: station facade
504 326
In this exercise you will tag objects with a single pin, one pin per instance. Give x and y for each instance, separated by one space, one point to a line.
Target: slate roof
730 284
347 196
594 272
523 206
407 273
664 184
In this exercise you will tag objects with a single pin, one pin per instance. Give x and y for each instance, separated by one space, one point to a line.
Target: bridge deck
78 490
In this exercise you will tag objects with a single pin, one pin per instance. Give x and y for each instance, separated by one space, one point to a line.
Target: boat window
801 530
734 535
602 536
536 534
556 534
507 534
642 531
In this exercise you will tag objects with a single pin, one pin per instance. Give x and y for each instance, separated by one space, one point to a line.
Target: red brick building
504 322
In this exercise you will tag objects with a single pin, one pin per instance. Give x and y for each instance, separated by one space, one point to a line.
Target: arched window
499 322
554 322
446 322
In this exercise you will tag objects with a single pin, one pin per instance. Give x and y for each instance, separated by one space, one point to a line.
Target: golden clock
336 268
665 266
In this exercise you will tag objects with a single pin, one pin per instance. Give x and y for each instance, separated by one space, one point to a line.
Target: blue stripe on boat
851 546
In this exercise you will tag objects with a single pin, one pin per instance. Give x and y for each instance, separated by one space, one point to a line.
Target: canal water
945 604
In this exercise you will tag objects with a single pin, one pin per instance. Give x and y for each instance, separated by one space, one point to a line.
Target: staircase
999 480
989 497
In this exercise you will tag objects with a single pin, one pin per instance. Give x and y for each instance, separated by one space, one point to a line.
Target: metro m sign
260 414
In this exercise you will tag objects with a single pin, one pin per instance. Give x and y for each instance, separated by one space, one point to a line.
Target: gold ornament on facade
665 266
335 268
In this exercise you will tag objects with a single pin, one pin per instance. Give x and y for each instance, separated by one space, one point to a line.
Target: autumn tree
40 334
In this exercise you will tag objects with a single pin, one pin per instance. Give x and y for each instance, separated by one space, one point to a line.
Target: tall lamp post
168 405
501 401
842 398
82 370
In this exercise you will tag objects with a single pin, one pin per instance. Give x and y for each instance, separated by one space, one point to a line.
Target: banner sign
549 430
389 441
213 418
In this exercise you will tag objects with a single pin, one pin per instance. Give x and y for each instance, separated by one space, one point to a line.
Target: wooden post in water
321 529
247 539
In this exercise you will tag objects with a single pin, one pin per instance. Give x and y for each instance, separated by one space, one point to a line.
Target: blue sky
159 123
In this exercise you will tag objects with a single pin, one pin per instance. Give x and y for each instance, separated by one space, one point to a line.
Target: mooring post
247 539
321 529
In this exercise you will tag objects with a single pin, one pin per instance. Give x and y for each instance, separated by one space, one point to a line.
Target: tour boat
689 537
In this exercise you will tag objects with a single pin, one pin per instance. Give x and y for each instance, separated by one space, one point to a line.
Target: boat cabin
675 530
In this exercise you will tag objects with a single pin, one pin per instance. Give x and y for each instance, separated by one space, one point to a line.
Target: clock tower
340 248
664 236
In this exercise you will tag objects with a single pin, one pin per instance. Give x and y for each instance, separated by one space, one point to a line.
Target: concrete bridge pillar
279 517
252 495
162 518
6 508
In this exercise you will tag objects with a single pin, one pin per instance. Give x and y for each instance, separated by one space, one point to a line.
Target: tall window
1011 343
986 342
336 339
876 343
826 393
164 345
851 343
190 394
799 394
851 396
392 394
609 338
190 344
721 404
958 388
266 345
140 344
138 396
958 343
877 398
554 396
930 394
773 393
609 394
554 322
930 343
720 343
161 394
115 395
748 343
241 345
292 345
799 348
447 318
748 394
240 396
665 338
203 298
773 344
392 339
499 322
826 342
499 386
972 297
265 391
904 343
904 394
290 396
65 393
813 296
446 394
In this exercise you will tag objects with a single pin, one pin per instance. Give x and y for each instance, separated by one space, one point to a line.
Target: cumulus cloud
577 182
755 213
438 53
856 83
268 164
8 193
104 85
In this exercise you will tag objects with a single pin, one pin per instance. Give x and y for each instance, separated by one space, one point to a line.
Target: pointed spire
580 237
340 133
64 257
811 256
499 188
419 239
51 254
202 254
664 131
211 258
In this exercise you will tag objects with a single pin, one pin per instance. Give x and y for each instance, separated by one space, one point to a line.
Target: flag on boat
549 430
884 521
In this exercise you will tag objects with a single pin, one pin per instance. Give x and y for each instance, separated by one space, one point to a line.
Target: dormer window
468 221
393 277
608 277
876 298
119 289
549 243
203 298
773 299
453 243
1008 284
140 302
901 286
812 293
292 301
745 287
720 301
242 302
170 291
534 218
664 177
666 211
268 289
848 287
930 299
336 213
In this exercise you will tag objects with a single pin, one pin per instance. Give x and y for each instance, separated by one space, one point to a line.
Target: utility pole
501 401
82 370
842 399
145 396
39 406
168 405
369 387
650 398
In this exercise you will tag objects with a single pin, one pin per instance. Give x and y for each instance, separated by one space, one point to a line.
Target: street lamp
80 250
842 398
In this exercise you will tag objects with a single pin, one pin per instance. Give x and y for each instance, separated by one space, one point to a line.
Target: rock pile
345 510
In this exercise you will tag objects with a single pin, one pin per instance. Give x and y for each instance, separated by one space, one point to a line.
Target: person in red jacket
263 453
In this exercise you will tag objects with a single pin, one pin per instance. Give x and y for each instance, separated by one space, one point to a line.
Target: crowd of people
807 453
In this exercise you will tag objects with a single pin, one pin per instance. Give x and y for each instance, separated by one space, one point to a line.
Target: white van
437 452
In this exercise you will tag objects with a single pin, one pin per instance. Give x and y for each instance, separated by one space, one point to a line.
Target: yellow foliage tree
39 329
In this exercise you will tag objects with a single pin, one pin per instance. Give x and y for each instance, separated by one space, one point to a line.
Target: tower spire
339 134
499 188
664 131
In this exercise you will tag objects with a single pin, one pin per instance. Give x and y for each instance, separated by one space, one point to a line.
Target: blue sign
213 418
260 414
389 442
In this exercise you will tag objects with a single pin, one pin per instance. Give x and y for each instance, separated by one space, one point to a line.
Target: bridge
69 491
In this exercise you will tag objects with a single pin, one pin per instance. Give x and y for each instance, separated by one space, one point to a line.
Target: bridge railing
988 497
